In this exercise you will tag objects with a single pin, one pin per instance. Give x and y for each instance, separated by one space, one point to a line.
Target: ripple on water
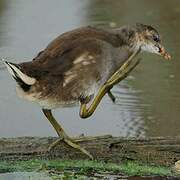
129 108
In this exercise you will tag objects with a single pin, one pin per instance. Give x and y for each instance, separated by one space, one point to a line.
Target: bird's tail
21 78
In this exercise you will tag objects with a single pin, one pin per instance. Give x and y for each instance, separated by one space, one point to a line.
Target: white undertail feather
17 73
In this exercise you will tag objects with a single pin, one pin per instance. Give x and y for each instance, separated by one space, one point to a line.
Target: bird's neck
129 37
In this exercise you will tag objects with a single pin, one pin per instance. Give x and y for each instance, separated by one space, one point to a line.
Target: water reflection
147 102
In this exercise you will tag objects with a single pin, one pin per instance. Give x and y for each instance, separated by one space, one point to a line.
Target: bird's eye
156 38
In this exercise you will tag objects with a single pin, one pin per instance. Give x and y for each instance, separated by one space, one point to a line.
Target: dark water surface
148 102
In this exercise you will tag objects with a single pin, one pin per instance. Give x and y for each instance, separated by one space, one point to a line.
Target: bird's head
149 40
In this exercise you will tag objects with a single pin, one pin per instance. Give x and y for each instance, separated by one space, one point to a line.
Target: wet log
157 151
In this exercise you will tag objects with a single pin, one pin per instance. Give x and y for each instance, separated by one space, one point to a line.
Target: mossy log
157 151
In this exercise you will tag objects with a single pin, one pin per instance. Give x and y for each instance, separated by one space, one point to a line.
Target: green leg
124 70
59 130
87 112
61 133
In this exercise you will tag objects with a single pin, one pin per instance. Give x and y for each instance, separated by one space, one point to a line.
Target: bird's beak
163 53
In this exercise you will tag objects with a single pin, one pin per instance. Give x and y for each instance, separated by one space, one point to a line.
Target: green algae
82 167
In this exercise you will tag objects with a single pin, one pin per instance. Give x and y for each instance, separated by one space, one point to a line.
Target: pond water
148 102
25 176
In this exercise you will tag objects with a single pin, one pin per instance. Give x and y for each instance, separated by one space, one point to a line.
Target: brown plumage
77 64
61 78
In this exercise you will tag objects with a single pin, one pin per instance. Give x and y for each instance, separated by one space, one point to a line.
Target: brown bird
82 65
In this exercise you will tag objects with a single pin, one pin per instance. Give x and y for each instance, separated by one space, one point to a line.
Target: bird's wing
77 50
72 39
77 71
64 60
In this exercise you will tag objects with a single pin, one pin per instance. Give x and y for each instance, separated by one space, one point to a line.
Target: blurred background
148 101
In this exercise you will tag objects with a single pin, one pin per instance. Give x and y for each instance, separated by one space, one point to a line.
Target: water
148 102
25 176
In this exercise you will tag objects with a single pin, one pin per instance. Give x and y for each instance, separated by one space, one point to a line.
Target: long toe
54 144
90 138
76 146
71 142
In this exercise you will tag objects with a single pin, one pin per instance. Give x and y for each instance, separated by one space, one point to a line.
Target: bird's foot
72 143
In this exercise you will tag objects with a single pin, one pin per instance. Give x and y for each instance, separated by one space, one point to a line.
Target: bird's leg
85 111
124 70
120 74
59 130
61 133
118 77
111 96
